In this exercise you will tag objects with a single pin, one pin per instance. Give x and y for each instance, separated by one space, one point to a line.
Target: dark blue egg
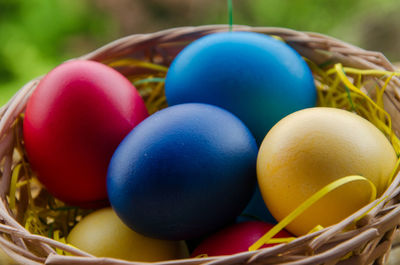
254 76
183 172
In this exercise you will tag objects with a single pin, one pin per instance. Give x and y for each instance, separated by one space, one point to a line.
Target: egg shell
254 76
183 172
6 259
103 234
236 238
74 120
311 148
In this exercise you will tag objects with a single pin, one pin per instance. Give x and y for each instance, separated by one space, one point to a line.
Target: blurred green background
37 35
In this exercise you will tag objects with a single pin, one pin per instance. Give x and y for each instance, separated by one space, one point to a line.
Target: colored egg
5 258
74 120
311 148
254 76
236 238
103 234
183 172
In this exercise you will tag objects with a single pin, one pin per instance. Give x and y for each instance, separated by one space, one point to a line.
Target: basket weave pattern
369 243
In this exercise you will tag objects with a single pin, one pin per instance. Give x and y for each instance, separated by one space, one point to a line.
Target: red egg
236 238
74 120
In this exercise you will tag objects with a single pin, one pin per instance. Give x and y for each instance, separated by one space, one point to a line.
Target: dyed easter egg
311 148
236 238
254 76
5 258
183 172
103 234
74 120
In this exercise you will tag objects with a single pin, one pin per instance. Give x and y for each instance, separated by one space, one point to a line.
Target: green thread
149 80
349 95
326 64
51 231
230 14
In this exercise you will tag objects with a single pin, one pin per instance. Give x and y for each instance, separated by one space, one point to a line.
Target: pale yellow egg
313 147
5 259
103 234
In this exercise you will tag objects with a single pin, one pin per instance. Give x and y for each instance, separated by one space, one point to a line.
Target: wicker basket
369 243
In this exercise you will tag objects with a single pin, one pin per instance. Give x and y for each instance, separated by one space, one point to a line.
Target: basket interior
28 210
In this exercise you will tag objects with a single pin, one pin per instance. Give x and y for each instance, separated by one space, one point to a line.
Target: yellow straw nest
34 224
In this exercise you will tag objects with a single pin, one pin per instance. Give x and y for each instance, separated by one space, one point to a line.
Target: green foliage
343 19
35 35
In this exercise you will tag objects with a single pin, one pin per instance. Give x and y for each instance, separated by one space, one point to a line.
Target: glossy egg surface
236 238
311 148
183 172
103 234
254 76
74 120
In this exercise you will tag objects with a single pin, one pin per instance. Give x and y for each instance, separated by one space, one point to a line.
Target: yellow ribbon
13 185
57 237
280 240
351 70
307 204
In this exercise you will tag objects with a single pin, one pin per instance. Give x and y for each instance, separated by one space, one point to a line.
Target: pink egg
236 238
74 120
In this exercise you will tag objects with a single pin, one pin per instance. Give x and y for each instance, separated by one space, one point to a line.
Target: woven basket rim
312 45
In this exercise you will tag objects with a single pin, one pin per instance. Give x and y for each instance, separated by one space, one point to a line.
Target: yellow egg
103 234
5 259
313 147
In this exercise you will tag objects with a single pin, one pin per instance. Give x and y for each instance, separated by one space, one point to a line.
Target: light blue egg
254 76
